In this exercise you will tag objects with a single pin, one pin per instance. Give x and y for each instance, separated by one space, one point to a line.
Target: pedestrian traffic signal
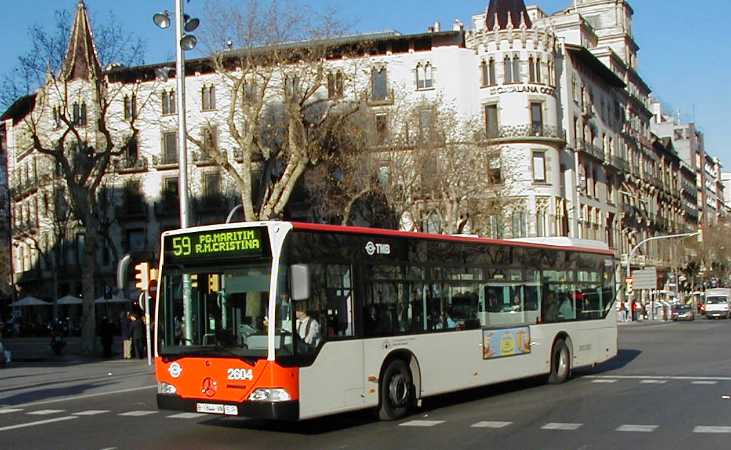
628 291
142 276
214 283
194 280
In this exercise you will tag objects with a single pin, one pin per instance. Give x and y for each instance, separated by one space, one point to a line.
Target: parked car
682 312
717 303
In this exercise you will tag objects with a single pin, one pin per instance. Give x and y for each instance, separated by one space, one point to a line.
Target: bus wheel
560 363
396 391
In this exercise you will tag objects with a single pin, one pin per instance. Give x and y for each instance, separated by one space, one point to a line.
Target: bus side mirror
300 276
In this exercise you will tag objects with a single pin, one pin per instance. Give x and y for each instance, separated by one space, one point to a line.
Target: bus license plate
209 408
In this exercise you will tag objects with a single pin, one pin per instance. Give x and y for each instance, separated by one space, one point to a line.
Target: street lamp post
183 41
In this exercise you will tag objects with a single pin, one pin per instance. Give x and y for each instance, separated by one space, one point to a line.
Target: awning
30 301
68 300
112 300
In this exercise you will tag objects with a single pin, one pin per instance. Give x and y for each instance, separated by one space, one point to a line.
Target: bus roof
566 244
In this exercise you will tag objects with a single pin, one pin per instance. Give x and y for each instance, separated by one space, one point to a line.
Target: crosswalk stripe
186 415
421 423
137 413
9 410
45 412
704 382
638 428
39 422
603 381
561 426
653 381
711 429
91 412
490 424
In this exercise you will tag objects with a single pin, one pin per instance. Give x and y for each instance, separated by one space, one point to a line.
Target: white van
717 301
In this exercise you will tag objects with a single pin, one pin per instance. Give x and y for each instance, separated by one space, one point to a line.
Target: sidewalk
38 349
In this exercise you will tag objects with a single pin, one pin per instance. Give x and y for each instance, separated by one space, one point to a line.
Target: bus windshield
227 311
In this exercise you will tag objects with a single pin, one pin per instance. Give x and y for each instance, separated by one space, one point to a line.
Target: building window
541 222
210 138
131 151
169 147
424 76
208 98
538 71
426 125
508 70
531 70
495 227
57 117
135 240
335 85
79 114
211 185
539 166
491 121
536 118
519 222
381 128
130 107
379 84
516 70
168 102
494 171
170 192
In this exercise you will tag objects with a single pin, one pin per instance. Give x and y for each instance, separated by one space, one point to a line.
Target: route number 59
181 246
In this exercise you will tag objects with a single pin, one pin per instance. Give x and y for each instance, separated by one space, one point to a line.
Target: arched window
491 71
519 223
538 70
483 72
424 76
508 70
516 70
531 70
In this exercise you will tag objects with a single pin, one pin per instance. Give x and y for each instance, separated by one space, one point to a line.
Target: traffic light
194 280
700 234
142 276
628 292
214 283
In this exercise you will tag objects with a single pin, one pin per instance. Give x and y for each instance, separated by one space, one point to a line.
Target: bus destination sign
216 244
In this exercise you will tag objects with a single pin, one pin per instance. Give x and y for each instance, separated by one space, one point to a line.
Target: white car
717 303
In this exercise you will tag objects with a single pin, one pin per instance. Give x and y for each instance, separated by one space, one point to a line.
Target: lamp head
162 19
188 42
191 24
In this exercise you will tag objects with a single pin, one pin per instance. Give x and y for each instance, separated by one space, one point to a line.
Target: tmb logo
377 249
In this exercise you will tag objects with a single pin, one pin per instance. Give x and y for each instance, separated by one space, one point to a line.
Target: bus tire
560 363
396 391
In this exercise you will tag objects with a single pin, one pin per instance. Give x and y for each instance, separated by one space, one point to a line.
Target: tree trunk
88 316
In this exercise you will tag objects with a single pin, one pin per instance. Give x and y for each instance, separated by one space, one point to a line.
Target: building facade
559 95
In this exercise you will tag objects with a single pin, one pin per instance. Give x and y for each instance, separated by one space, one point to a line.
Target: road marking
657 377
138 413
421 423
607 380
39 422
706 429
704 382
490 424
186 415
91 412
638 428
45 412
561 426
84 396
654 381
9 410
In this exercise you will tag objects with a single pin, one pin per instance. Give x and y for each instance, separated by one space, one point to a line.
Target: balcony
132 210
592 150
129 165
617 161
526 132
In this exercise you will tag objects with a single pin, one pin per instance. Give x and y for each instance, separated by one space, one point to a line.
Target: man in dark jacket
137 333
124 328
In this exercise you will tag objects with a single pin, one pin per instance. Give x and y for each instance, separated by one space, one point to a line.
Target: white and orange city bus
291 321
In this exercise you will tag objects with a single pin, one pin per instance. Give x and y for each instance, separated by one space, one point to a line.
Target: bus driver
307 328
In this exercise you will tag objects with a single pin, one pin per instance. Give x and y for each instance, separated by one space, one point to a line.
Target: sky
685 53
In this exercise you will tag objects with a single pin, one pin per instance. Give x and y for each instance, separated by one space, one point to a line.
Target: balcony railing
131 164
526 131
593 150
617 161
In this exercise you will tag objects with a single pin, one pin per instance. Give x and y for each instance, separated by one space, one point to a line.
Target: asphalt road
669 388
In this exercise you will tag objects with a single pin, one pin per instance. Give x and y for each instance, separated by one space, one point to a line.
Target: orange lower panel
225 379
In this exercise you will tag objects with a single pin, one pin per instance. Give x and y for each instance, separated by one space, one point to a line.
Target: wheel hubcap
563 363
398 390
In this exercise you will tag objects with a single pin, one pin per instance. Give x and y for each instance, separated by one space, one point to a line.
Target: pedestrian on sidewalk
634 310
124 325
137 332
622 312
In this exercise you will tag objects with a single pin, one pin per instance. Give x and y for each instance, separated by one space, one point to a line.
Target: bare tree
284 106
77 122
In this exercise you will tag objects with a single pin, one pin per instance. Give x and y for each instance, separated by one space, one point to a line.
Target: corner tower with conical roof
507 14
81 61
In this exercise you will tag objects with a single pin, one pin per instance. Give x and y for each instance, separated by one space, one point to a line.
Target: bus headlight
165 388
270 395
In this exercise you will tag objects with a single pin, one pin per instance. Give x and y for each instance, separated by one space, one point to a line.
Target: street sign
645 278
